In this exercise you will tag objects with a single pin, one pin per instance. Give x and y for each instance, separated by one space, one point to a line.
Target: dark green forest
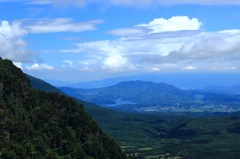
35 124
170 135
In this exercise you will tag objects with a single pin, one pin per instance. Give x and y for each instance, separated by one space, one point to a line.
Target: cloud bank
12 35
13 45
164 45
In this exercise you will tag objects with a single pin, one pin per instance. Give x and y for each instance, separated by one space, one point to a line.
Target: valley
170 134
119 79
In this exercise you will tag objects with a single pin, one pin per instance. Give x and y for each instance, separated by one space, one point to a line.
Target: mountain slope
35 124
175 134
39 84
149 96
133 91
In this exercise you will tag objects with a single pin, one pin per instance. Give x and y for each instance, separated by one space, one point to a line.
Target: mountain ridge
154 135
141 94
181 80
36 124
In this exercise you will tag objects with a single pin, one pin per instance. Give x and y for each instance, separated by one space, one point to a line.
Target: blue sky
81 40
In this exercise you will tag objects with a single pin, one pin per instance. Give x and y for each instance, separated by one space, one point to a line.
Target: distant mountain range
186 135
150 96
191 80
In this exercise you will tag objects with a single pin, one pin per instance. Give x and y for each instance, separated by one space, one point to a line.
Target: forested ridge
35 124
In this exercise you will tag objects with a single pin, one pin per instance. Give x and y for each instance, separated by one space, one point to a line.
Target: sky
84 40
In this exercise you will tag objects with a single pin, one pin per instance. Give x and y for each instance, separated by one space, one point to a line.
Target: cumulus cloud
160 25
114 62
175 23
220 45
39 67
13 46
162 49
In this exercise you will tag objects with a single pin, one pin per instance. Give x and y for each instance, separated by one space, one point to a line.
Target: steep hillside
35 124
186 135
39 84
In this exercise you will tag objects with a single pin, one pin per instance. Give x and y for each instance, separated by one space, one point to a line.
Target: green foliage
39 84
40 125
170 135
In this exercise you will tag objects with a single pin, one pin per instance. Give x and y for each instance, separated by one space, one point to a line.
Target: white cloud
18 64
175 23
114 62
189 68
164 50
13 46
160 25
39 67
61 25
216 45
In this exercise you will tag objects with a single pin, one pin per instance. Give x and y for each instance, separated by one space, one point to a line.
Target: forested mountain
133 91
166 135
148 96
35 124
